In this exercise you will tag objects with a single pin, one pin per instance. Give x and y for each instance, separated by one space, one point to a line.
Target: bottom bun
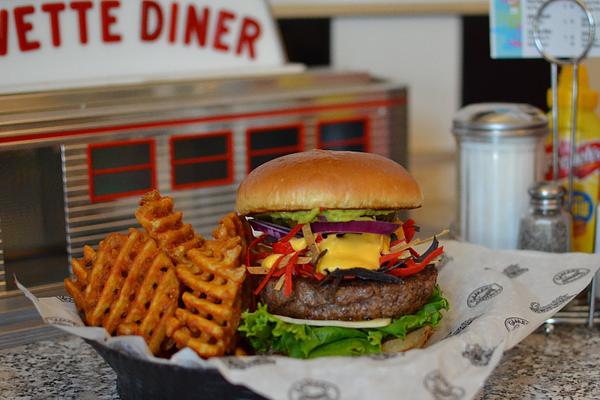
414 340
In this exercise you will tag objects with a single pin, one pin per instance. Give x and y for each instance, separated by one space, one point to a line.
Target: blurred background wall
443 59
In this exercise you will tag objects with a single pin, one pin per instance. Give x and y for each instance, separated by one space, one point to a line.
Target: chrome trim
2 268
49 289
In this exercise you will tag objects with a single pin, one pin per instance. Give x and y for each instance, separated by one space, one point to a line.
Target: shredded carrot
263 283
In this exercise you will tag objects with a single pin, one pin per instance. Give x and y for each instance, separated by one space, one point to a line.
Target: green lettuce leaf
267 333
291 218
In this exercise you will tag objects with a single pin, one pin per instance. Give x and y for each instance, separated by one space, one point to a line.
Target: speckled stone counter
563 365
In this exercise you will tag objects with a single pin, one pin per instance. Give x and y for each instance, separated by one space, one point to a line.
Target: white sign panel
50 43
564 28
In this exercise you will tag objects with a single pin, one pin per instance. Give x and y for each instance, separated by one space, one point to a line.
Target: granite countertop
562 365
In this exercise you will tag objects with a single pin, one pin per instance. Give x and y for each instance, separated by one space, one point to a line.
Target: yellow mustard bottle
586 178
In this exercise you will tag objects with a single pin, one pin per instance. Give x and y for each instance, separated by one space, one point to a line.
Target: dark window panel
255 161
346 147
199 147
274 138
122 182
201 172
306 41
120 156
488 80
331 132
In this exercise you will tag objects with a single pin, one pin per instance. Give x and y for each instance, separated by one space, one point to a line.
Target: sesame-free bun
328 179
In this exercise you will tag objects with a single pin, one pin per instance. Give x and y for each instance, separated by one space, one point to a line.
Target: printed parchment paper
496 298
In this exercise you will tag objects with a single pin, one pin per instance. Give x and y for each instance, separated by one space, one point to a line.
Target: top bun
328 179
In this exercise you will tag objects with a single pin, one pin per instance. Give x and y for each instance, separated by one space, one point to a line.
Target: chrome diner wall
101 148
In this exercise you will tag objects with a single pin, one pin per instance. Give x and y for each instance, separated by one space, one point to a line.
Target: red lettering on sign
223 21
173 27
108 20
23 28
249 34
151 8
53 10
82 7
196 25
3 32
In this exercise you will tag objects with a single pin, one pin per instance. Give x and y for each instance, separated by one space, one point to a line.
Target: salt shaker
547 226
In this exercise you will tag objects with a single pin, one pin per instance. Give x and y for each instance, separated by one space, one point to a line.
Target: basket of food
314 288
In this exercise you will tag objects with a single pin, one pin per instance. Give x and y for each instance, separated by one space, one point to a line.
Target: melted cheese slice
374 323
353 250
270 260
298 244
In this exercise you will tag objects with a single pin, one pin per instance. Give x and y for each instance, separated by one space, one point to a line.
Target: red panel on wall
266 143
344 134
201 160
121 169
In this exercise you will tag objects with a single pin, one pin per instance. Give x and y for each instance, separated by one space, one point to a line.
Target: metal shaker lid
546 195
493 120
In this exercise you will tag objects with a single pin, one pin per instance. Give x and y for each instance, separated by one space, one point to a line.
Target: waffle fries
165 226
128 286
213 279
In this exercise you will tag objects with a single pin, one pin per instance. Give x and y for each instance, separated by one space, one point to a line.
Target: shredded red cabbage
271 229
379 227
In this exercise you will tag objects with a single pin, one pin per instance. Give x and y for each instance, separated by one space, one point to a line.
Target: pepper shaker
547 226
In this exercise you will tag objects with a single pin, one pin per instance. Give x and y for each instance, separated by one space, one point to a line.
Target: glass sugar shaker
547 226
500 155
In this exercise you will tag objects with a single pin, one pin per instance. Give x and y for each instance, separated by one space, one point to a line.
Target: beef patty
355 300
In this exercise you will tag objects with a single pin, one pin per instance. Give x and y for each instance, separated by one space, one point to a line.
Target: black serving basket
142 379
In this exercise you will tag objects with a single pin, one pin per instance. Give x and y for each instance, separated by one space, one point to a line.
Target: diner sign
50 43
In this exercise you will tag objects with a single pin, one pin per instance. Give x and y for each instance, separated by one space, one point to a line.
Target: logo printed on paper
464 325
483 293
557 302
240 363
514 270
570 275
61 321
513 323
477 355
313 389
65 299
440 388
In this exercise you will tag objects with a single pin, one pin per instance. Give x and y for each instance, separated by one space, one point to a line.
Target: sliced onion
271 229
379 227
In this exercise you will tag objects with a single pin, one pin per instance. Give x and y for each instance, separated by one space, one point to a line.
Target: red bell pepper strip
289 269
413 268
291 233
390 257
396 242
409 229
261 255
319 276
413 252
283 247
251 245
268 276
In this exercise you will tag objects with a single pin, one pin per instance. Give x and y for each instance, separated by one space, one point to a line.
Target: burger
334 268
